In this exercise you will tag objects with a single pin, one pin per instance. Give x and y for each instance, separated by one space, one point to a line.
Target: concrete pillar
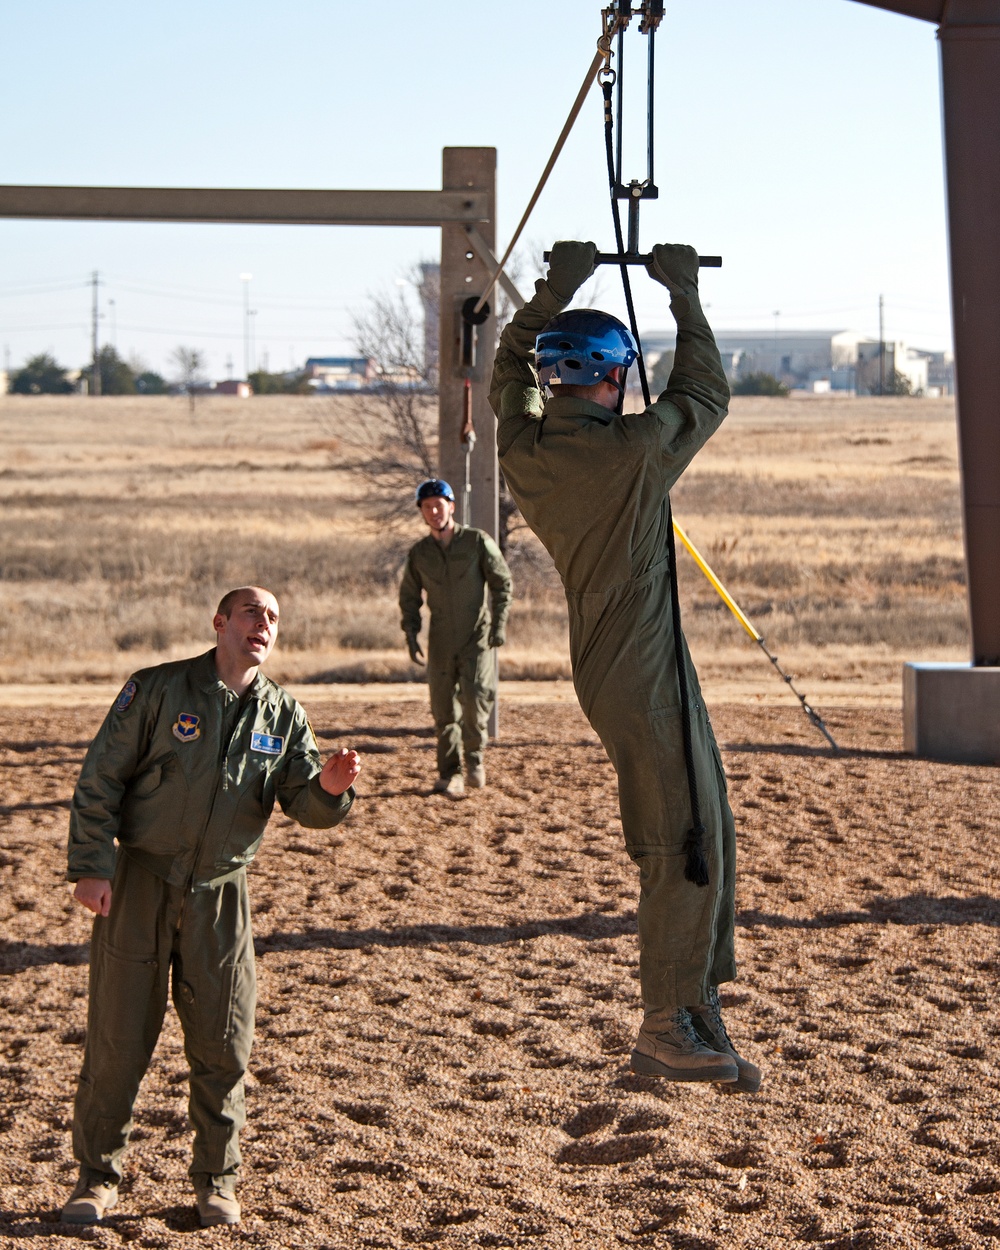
462 275
950 712
970 71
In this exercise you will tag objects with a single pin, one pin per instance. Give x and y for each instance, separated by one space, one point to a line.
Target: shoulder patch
126 696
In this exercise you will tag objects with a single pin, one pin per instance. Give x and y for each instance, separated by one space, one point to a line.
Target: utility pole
777 314
95 370
245 279
881 347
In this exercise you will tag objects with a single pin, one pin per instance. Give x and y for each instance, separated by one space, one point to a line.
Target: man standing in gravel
455 566
593 485
183 775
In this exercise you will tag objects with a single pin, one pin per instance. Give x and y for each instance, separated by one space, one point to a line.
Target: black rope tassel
696 865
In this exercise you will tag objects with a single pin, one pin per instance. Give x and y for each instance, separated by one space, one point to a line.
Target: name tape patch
267 744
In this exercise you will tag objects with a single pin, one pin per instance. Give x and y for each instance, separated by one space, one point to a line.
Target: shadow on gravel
816 752
47 744
8 809
587 928
913 909
15 956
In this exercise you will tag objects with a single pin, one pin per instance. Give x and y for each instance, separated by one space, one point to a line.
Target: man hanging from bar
593 485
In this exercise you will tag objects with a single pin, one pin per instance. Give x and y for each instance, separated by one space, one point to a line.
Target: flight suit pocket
653 790
125 993
252 813
217 1009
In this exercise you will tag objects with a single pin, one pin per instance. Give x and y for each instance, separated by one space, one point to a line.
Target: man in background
183 775
455 566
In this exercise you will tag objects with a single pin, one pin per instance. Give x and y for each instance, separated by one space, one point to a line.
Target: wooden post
462 276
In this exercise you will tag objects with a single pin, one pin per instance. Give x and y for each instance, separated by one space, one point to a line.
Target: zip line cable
696 864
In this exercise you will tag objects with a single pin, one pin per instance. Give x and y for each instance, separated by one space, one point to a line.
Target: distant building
4 382
823 361
339 373
242 390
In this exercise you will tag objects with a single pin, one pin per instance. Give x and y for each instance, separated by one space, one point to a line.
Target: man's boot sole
645 1065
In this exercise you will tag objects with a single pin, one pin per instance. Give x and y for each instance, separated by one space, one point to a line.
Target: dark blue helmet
434 488
583 345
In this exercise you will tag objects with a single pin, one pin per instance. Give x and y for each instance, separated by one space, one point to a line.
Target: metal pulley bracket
470 318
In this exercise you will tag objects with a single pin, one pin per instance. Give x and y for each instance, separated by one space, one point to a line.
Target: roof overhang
926 10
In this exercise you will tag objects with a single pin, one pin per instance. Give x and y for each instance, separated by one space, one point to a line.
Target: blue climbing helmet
434 488
583 345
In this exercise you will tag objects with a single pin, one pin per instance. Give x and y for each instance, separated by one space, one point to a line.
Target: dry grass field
834 522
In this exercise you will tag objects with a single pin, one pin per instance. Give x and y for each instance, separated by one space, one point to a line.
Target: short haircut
228 600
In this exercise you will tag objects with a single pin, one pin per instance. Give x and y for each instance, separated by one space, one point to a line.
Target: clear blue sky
799 138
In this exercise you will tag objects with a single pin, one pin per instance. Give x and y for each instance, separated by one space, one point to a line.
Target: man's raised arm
515 391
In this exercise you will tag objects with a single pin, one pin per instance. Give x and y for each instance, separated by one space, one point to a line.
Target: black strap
696 866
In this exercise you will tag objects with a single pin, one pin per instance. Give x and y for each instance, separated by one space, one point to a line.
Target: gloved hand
497 637
416 655
570 265
675 265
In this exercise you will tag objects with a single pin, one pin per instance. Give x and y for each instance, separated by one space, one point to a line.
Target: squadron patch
267 744
126 696
187 727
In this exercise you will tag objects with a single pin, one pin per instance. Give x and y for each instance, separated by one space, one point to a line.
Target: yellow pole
720 590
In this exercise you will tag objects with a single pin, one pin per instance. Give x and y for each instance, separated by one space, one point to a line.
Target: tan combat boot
89 1201
711 1028
477 777
453 786
668 1046
216 1197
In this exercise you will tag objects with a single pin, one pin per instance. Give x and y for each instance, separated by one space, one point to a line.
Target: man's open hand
95 894
340 771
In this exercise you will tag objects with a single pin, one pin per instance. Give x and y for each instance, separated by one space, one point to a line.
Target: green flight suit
593 486
461 668
183 775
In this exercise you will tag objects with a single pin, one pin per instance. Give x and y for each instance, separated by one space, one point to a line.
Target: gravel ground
448 998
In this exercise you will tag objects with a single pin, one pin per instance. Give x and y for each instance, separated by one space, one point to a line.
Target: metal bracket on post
468 439
469 333
472 319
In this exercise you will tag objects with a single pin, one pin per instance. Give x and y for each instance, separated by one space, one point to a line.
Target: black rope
696 865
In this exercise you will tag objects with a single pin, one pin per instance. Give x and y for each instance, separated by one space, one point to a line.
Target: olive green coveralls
183 774
461 669
593 486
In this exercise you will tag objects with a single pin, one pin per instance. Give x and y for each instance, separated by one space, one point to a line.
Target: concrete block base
952 712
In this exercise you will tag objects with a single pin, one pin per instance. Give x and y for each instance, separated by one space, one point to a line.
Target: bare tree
189 371
394 440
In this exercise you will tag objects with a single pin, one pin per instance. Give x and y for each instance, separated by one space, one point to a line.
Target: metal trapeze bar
274 207
642 258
